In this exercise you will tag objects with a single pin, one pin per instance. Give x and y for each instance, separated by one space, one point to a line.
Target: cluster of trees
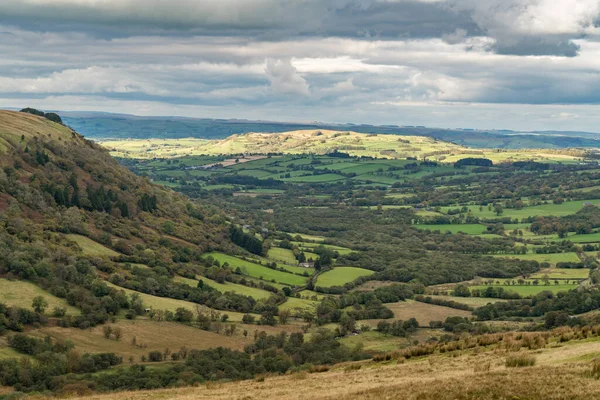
245 240
572 302
479 162
267 354
50 116
16 318
398 328
52 361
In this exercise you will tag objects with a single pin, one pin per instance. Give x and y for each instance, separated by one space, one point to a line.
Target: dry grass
424 312
150 335
441 379
21 294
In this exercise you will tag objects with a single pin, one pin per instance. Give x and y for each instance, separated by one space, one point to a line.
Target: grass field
557 210
21 294
339 276
531 290
165 303
423 312
256 293
550 258
469 229
282 255
91 248
563 273
154 335
259 271
375 341
293 303
470 301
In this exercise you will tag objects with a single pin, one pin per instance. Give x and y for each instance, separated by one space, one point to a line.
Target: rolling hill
103 126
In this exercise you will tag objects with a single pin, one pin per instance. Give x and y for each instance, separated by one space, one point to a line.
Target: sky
489 64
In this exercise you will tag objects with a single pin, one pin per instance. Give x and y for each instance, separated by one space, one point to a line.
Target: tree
39 304
284 315
118 333
498 209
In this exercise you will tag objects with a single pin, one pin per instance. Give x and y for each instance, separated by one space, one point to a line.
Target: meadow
551 258
166 303
91 248
21 294
531 290
255 293
259 271
339 276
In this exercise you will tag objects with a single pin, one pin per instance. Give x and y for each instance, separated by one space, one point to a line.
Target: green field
531 290
165 303
91 248
552 258
258 271
339 276
293 303
469 229
557 210
282 255
563 273
21 294
256 293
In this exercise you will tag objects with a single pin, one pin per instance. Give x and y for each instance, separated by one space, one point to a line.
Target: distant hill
120 126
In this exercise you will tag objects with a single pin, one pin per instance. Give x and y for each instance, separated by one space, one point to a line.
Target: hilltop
107 126
320 142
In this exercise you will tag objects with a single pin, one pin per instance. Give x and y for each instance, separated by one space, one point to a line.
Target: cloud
377 61
285 79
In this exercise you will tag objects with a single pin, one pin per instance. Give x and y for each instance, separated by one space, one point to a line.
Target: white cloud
284 77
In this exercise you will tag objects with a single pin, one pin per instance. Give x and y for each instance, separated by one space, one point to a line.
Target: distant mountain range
121 126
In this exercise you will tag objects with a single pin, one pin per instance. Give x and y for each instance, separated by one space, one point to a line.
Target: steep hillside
71 218
66 183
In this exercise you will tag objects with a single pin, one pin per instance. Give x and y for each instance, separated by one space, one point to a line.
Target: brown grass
443 379
424 312
154 335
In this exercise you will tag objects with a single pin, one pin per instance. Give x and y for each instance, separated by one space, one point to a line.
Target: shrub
520 360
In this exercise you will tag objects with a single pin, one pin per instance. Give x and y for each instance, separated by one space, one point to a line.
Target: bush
520 360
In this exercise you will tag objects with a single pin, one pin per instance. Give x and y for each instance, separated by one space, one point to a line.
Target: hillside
106 126
324 142
561 371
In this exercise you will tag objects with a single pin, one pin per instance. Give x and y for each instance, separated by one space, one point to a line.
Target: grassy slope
165 303
21 294
560 373
339 276
258 294
259 271
91 248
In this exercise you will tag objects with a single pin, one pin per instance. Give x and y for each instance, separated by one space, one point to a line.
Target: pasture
531 290
258 271
149 335
469 229
563 273
91 248
255 293
550 209
551 258
282 255
423 312
165 303
339 276
19 293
